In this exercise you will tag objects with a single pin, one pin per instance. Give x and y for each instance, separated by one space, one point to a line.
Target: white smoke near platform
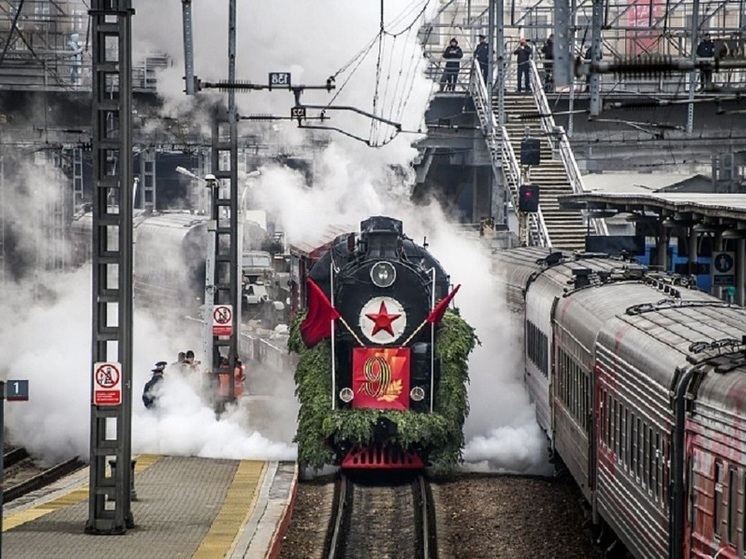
352 182
49 343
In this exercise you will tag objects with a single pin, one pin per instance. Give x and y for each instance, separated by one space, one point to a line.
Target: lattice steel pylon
109 510
225 281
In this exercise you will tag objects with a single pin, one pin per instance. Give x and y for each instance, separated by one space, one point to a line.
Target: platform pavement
185 507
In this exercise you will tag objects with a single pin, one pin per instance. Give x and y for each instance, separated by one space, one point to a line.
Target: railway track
22 475
382 519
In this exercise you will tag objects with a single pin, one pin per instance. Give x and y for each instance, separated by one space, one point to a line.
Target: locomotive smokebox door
531 151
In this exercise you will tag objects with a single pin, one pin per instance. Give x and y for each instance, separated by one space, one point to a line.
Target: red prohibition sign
107 376
222 315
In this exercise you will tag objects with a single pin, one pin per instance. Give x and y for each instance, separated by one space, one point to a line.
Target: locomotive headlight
346 395
417 394
383 274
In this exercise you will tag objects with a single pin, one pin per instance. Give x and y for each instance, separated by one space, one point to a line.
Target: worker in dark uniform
548 51
706 49
523 58
482 53
151 390
452 55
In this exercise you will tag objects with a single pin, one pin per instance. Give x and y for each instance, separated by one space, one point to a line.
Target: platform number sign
16 390
279 79
107 384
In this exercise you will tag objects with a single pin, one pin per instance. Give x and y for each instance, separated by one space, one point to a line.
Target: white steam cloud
49 342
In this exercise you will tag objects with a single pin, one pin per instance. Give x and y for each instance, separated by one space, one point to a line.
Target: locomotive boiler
377 388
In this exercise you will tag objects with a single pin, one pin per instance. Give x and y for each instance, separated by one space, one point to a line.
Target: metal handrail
502 157
561 144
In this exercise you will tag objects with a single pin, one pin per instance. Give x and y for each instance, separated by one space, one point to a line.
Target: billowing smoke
314 40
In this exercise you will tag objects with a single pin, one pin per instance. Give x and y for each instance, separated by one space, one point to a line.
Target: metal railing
502 157
561 145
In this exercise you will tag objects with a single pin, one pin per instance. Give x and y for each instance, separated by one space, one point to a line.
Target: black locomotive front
384 287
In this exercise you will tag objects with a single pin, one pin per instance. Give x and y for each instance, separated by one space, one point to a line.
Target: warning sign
107 384
222 320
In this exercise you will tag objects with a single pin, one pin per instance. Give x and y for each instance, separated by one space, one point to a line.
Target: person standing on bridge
548 51
481 54
523 57
706 49
452 55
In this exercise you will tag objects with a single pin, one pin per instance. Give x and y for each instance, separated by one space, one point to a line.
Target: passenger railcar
639 384
170 250
377 391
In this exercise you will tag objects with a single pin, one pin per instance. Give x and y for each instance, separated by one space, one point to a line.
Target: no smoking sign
107 384
222 320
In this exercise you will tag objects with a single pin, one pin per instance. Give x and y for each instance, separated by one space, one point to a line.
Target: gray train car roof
724 390
513 267
658 339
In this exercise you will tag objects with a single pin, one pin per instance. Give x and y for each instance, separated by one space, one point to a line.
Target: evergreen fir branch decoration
441 432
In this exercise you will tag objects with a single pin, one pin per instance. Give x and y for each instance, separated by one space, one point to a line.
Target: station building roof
682 207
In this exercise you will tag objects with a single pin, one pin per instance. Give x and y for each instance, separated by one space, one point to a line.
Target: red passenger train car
639 381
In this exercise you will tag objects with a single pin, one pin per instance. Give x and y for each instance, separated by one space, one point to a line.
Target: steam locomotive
376 390
639 383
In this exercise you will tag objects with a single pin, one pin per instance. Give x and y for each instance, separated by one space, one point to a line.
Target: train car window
618 430
648 458
732 520
743 514
666 469
658 463
692 492
609 424
574 374
717 499
587 401
633 443
602 417
545 354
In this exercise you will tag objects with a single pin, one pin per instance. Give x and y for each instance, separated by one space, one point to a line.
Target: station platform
185 507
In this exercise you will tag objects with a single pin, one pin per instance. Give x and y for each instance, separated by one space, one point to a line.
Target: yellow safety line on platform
240 498
73 498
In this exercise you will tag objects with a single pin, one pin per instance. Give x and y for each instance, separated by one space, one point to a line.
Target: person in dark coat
548 51
706 49
150 391
452 55
481 54
523 55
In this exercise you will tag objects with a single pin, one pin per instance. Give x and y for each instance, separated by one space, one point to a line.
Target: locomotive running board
381 457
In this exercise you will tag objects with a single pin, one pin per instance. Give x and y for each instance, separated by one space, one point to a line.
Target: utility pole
595 83
111 383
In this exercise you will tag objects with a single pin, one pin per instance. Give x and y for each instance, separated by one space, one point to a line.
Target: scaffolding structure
630 30
46 45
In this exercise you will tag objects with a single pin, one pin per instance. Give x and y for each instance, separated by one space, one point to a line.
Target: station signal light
528 198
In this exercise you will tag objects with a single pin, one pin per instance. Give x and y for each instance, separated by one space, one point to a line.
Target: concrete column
661 246
740 267
717 246
692 252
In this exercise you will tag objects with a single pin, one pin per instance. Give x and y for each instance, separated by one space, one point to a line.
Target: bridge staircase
556 175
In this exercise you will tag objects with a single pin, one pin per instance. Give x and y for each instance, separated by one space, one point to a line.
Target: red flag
440 309
317 325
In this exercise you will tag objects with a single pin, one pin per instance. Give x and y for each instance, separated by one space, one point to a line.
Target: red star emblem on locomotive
382 320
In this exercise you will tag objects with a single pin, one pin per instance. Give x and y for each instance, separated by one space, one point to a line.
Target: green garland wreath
441 430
